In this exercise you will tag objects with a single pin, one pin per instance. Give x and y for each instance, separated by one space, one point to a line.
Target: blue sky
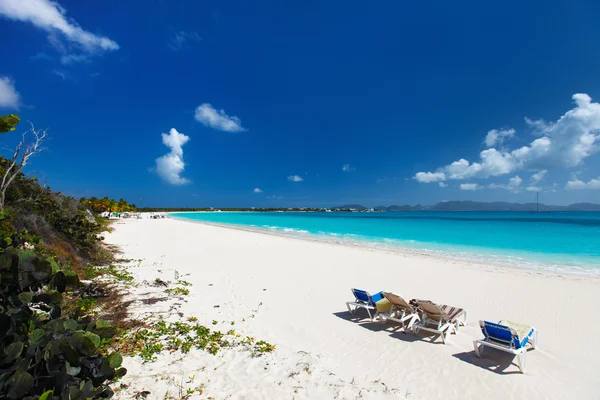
280 96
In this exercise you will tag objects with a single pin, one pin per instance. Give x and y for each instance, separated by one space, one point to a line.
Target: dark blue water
558 240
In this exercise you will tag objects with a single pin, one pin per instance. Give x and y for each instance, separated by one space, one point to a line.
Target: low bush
43 353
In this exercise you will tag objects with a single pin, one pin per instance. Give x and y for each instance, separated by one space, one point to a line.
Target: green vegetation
149 341
105 204
112 272
50 346
47 354
8 122
178 291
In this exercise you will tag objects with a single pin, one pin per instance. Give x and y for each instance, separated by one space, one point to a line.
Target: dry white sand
291 292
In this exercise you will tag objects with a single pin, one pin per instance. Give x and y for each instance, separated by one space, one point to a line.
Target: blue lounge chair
363 299
511 337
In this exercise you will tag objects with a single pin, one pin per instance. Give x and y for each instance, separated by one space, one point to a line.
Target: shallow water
557 241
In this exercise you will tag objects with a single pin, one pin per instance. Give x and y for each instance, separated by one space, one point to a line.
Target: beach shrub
63 223
8 122
43 353
105 204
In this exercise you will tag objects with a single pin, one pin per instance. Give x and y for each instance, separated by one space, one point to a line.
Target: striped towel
452 312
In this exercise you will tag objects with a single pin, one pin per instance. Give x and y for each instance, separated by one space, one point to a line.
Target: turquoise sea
558 241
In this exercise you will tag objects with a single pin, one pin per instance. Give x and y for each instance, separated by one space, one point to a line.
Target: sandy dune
291 292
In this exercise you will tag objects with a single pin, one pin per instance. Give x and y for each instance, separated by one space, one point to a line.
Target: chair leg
521 361
349 309
535 339
411 324
477 349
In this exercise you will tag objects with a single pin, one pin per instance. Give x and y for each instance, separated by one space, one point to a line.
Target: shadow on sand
361 318
492 360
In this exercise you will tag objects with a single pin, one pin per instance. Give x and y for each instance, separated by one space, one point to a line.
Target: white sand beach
292 293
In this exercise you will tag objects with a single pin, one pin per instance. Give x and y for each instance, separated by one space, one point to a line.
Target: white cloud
427 177
295 178
180 40
348 168
496 136
534 189
257 190
442 184
469 186
514 182
576 184
538 176
565 143
170 166
217 119
51 17
9 97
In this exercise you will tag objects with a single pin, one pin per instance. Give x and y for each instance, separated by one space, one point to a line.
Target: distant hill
478 206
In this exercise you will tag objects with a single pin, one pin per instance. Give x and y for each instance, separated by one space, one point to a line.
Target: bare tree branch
16 164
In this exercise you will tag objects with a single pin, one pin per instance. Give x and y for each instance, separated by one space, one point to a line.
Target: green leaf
106 333
47 395
53 264
102 324
13 350
19 384
120 372
56 326
40 269
93 337
70 324
115 360
26 297
36 336
59 281
82 344
50 297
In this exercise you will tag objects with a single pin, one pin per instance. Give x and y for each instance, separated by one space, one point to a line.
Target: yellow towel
383 305
522 330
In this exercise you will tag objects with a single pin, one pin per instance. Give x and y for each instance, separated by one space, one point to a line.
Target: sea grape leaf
36 336
13 350
82 344
93 337
102 324
115 360
47 395
26 297
70 324
19 384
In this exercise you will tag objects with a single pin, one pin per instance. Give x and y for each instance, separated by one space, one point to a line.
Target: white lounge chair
400 311
363 299
507 336
441 319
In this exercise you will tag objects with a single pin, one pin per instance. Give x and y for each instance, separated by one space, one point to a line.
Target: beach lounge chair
441 319
400 311
363 299
508 336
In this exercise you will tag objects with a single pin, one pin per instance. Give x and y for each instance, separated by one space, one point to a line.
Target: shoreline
562 272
